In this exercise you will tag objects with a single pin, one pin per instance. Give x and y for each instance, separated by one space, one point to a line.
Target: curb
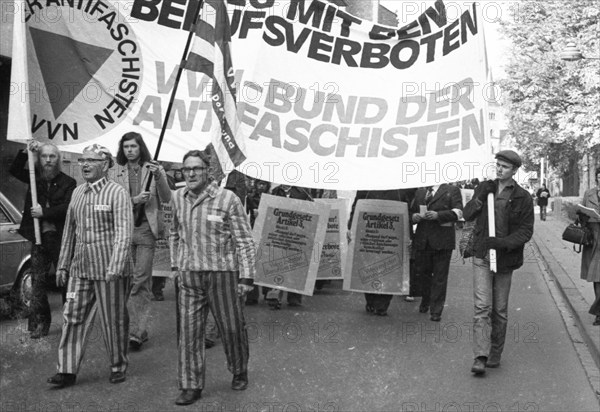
574 299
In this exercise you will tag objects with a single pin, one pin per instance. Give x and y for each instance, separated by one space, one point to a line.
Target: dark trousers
252 296
432 268
595 308
42 257
379 302
158 284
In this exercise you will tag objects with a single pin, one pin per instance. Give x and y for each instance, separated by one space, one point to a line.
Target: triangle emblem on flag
67 64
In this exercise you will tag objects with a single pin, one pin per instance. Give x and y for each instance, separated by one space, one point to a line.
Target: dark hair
197 153
265 182
145 155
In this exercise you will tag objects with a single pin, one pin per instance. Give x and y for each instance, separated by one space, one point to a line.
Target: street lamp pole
542 164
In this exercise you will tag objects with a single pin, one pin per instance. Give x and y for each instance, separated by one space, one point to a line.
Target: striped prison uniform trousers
85 297
199 292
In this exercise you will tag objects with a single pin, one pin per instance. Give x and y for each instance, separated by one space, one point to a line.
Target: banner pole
34 201
139 210
177 78
492 230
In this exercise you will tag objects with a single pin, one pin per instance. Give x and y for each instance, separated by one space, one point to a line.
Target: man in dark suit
434 210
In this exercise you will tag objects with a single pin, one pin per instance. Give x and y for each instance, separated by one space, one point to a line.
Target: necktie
429 195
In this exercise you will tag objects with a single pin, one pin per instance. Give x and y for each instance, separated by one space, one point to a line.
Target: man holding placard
513 210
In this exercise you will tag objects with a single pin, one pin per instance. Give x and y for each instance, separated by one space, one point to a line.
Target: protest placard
378 258
290 234
335 248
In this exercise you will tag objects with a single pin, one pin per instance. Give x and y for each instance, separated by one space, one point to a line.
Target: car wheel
21 294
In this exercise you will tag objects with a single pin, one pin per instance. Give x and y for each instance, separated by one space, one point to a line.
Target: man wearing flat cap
95 256
513 209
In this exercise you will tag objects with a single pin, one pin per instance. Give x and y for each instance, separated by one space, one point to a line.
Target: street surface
328 355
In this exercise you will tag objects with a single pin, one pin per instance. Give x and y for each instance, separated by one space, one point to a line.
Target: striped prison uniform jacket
212 233
96 243
98 232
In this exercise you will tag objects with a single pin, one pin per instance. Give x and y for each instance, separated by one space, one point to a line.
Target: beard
49 172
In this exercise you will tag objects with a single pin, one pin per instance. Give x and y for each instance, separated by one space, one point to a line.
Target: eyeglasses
89 161
188 170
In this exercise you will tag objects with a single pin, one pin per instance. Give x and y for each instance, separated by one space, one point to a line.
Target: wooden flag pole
492 230
34 201
139 209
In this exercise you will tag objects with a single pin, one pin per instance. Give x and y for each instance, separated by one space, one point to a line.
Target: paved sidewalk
563 264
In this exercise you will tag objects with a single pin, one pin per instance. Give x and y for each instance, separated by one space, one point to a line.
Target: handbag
578 235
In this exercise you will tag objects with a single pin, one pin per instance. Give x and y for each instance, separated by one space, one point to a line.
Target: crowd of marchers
101 237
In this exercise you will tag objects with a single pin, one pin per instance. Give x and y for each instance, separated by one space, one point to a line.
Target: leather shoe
240 381
423 309
493 361
381 312
596 321
208 343
117 377
135 345
478 367
188 396
492 364
435 318
62 380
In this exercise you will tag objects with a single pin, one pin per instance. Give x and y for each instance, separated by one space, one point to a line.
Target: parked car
15 257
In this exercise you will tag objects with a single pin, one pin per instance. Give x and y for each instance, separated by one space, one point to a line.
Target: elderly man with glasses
95 255
213 257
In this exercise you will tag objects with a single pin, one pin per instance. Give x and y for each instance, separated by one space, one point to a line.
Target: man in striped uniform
95 256
213 253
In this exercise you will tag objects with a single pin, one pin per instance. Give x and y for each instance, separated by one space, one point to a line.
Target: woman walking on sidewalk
590 258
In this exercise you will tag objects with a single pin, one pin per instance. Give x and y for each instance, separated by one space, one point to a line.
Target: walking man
434 242
213 254
513 209
95 256
135 167
542 195
54 191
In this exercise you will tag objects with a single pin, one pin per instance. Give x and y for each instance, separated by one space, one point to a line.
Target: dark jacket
439 234
520 227
57 195
542 201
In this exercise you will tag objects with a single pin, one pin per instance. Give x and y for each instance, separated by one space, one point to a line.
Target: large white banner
326 99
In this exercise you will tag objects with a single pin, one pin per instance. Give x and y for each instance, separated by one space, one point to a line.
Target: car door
14 249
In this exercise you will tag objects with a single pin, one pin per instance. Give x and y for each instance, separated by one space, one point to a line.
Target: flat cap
510 156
